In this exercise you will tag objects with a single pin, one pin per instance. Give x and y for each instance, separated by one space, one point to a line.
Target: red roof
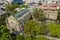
53 7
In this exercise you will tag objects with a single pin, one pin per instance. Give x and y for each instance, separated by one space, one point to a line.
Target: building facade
51 15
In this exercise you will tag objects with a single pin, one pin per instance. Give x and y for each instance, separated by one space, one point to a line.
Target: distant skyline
32 0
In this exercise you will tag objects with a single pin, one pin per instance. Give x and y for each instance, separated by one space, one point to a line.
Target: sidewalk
49 37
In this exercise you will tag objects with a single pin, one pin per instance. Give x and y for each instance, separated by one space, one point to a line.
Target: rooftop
21 13
50 6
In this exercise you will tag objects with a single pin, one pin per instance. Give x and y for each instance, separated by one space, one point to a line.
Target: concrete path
49 37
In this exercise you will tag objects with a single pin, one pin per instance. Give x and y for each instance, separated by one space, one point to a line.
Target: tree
44 30
15 5
4 33
32 28
11 9
54 29
6 36
2 19
23 6
59 14
27 38
38 14
19 37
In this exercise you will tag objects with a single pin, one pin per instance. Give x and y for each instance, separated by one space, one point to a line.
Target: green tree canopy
58 14
11 7
23 6
38 14
4 33
19 37
54 29
27 38
32 28
2 19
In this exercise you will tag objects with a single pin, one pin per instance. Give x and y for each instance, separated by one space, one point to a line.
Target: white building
30 1
51 15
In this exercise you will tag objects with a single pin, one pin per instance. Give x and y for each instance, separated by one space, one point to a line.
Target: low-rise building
31 1
16 21
51 15
50 7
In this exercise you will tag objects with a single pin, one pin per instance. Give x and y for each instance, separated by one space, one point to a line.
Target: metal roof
21 13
